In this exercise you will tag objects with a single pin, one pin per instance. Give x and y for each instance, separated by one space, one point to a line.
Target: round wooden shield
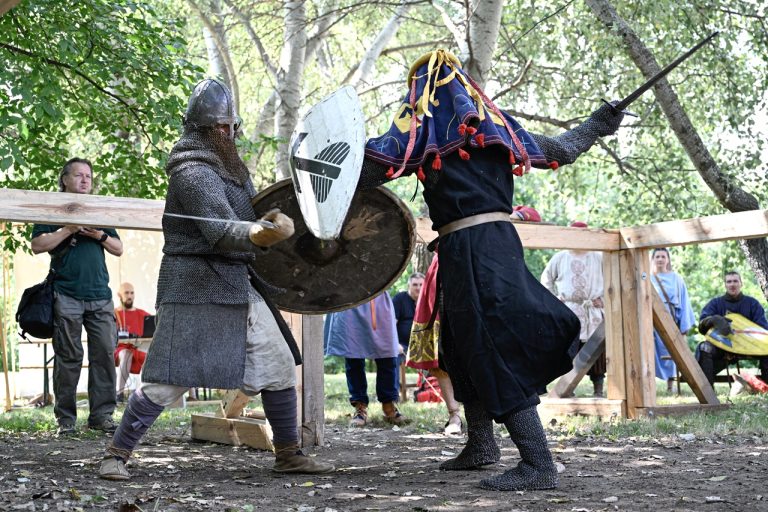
319 276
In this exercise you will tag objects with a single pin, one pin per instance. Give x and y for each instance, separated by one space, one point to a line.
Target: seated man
711 358
130 324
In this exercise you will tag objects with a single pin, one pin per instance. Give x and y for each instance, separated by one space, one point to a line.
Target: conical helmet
211 104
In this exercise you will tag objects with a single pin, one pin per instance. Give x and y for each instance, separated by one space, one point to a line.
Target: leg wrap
280 410
536 470
139 415
481 448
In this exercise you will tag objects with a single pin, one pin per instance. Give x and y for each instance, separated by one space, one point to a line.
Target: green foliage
102 79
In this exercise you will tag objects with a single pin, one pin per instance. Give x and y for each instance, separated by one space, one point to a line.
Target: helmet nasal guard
211 104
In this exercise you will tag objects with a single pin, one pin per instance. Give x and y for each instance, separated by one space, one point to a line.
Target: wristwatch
103 238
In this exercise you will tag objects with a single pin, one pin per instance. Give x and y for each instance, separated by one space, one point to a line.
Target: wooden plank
232 404
312 392
543 236
678 348
603 407
679 409
251 432
715 228
585 358
616 379
638 330
27 206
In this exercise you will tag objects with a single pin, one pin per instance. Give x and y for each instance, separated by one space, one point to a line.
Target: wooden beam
678 348
677 410
535 235
616 379
603 407
232 404
27 206
240 431
638 330
715 228
313 388
585 358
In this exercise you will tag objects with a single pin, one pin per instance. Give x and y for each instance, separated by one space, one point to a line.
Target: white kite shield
326 155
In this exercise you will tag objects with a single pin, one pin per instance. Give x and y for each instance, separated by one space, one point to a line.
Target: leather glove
720 324
265 236
605 120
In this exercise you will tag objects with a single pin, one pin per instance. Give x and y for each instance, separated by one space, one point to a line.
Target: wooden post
3 342
614 329
681 354
585 358
638 330
313 389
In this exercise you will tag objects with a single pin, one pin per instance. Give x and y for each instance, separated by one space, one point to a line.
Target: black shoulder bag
35 312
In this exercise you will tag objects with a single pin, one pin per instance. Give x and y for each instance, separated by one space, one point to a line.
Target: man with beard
130 324
216 328
504 336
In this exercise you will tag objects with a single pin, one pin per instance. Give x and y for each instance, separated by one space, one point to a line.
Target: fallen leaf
718 478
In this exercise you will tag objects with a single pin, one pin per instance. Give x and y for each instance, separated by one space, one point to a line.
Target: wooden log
616 379
313 382
638 330
603 407
678 348
251 432
715 228
677 410
585 358
232 404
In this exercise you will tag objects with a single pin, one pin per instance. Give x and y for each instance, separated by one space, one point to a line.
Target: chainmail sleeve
566 147
372 174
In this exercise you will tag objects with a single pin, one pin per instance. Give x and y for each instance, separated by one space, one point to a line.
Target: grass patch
747 416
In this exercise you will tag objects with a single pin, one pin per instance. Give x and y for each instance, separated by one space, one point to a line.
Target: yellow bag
748 338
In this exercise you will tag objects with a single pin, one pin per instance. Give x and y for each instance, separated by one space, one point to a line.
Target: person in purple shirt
712 359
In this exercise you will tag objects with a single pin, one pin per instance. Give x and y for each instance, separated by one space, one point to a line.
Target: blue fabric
746 306
280 410
684 317
438 133
139 415
405 309
351 333
387 381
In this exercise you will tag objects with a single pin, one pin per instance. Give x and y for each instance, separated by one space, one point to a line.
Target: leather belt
473 220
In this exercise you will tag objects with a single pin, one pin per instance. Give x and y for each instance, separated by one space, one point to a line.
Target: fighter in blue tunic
504 335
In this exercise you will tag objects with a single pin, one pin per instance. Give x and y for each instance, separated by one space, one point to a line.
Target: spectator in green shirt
82 298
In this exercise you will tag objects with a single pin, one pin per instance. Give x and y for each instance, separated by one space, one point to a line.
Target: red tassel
518 171
420 174
512 159
462 129
437 164
480 139
390 173
471 130
553 165
463 154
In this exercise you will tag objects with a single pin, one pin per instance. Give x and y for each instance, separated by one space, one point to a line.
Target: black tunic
504 335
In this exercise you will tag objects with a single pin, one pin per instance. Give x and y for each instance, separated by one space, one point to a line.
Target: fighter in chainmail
503 335
215 326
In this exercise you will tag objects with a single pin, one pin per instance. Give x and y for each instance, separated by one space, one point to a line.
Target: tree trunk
289 82
482 36
725 189
382 39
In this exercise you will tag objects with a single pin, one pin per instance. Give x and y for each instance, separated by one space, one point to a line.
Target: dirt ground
383 469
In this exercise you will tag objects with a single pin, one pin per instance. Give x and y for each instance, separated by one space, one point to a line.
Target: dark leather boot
599 393
481 448
360 418
536 470
290 459
393 415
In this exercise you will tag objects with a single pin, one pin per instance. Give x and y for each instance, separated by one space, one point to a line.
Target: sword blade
265 223
623 104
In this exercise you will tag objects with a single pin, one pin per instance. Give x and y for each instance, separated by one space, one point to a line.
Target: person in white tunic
576 278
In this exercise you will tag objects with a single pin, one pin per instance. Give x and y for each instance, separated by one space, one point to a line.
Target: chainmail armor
206 179
566 147
481 448
536 470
